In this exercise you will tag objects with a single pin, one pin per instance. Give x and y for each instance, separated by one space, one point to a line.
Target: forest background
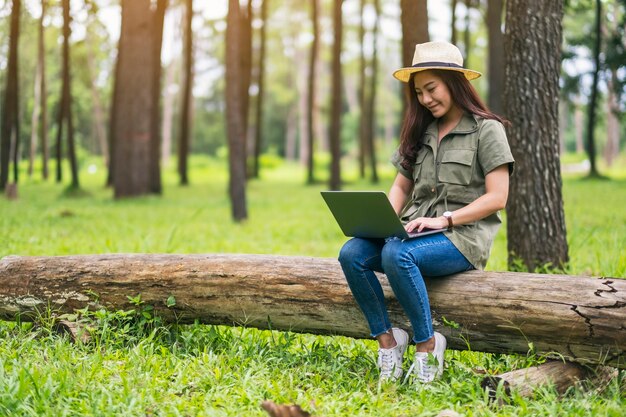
135 366
95 27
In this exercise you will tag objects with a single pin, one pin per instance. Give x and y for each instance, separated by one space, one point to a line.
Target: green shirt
452 175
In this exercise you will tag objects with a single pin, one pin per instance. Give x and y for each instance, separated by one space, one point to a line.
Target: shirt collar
467 124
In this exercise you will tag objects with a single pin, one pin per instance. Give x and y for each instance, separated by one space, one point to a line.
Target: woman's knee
350 252
393 255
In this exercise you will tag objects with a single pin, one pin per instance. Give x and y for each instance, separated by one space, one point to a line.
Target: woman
453 164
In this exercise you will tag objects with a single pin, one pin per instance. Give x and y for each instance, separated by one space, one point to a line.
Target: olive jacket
451 175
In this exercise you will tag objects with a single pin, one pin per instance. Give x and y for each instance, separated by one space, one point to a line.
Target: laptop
368 214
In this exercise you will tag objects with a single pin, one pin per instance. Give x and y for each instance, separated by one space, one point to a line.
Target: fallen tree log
558 374
582 319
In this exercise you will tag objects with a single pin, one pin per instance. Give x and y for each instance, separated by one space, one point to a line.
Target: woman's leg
405 262
359 258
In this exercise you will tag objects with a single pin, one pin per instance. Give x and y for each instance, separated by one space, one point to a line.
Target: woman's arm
399 192
494 199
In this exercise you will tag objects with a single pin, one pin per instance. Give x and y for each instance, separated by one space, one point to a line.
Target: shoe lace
385 362
421 368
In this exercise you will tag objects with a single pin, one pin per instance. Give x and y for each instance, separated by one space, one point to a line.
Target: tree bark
414 20
186 100
34 124
453 32
245 59
579 126
258 133
311 95
581 318
99 128
496 55
114 104
467 33
611 150
535 217
234 114
361 91
168 114
370 129
593 100
156 186
336 101
65 106
43 93
10 115
133 107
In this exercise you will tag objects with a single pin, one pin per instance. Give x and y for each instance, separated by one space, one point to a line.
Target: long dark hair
418 117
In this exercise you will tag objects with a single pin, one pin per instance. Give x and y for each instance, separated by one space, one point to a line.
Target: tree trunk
414 20
453 32
467 34
234 114
336 101
301 66
291 130
370 130
361 92
245 58
10 119
258 134
580 318
34 121
65 106
535 217
155 116
99 128
43 94
611 151
579 126
168 114
496 55
114 104
593 100
186 100
131 174
311 96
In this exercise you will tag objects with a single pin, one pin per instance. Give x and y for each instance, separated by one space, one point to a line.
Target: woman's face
433 93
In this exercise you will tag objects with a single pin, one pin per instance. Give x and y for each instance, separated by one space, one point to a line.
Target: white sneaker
428 366
390 360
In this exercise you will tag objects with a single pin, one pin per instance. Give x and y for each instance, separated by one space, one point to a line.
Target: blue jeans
404 263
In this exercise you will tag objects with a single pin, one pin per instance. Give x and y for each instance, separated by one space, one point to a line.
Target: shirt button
432 190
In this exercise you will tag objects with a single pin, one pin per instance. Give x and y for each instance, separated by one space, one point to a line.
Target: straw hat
435 55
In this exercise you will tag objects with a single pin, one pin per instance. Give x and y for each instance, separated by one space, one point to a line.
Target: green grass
133 368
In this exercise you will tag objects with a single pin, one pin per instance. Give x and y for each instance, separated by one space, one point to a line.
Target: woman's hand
421 223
